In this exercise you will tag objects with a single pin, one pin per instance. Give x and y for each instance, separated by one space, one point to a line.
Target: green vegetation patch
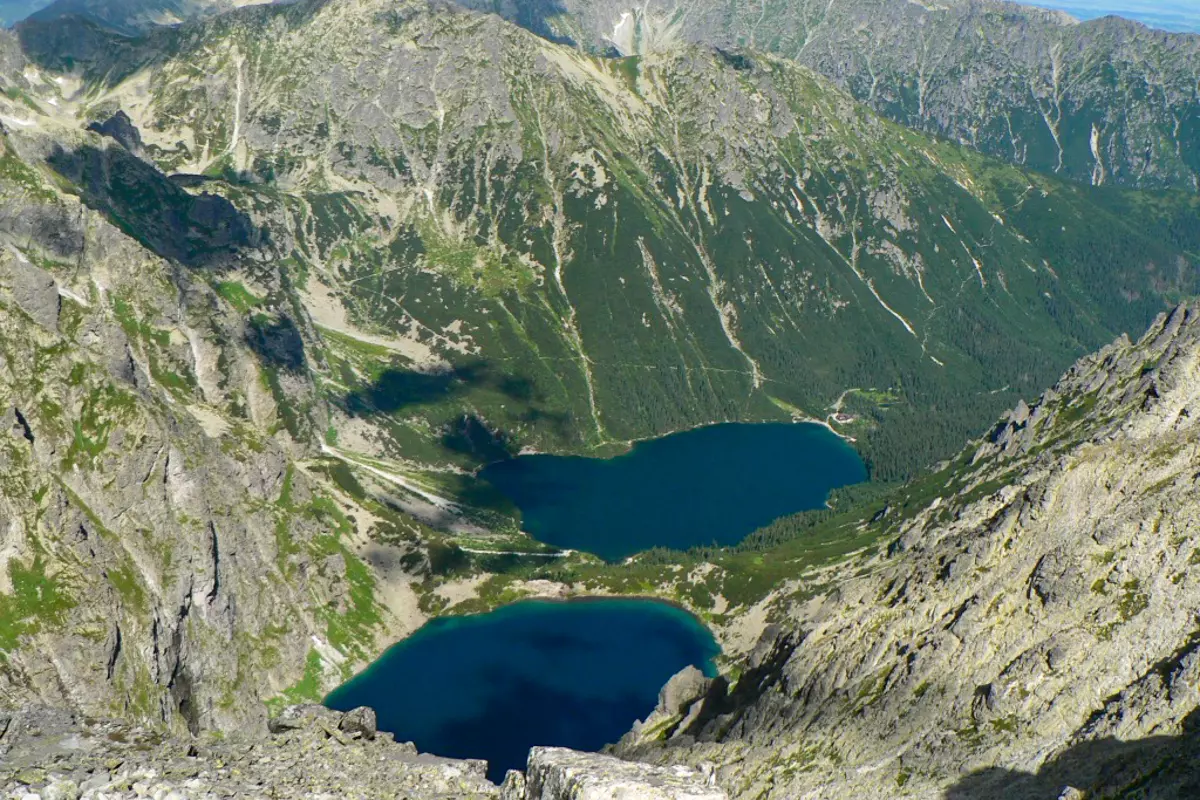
16 172
238 296
104 410
38 601
129 586
305 690
486 268
350 628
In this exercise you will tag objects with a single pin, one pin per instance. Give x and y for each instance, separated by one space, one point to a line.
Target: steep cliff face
169 551
1036 630
1103 101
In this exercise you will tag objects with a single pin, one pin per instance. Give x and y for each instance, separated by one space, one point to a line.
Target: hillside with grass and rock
276 283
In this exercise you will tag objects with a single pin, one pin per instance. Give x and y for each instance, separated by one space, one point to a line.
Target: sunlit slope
1107 101
605 249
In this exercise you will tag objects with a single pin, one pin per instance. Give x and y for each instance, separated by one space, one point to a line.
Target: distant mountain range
1169 15
1107 101
13 11
127 16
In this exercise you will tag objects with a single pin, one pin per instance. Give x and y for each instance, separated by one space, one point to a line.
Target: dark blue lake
709 485
575 674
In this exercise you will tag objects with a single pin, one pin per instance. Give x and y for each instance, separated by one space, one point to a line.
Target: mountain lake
573 674
710 485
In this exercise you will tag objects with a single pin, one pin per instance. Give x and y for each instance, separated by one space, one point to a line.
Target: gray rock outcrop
35 292
359 723
313 752
684 688
556 773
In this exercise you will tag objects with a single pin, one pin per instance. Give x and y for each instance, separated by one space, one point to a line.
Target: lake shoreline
710 485
584 598
629 444
572 672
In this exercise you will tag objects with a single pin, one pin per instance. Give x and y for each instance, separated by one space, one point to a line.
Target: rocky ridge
1031 634
168 554
1105 101
312 752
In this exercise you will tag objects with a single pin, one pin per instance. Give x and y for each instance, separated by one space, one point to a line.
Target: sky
15 10
1172 15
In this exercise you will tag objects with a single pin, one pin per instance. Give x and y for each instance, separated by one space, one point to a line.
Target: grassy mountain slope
525 246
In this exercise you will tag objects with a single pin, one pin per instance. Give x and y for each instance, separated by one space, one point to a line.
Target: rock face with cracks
1102 102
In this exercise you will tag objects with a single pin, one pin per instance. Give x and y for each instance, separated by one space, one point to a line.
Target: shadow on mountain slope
204 230
1154 768
76 44
104 42
277 342
471 435
397 389
464 431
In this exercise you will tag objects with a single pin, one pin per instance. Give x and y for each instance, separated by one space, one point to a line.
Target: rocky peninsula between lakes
311 752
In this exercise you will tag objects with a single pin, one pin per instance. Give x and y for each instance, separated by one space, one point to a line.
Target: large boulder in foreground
556 773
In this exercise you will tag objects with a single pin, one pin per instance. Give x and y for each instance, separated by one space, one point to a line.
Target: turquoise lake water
709 485
574 674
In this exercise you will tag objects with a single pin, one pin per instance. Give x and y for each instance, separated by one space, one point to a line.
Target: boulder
556 773
303 716
359 723
36 292
684 688
513 787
